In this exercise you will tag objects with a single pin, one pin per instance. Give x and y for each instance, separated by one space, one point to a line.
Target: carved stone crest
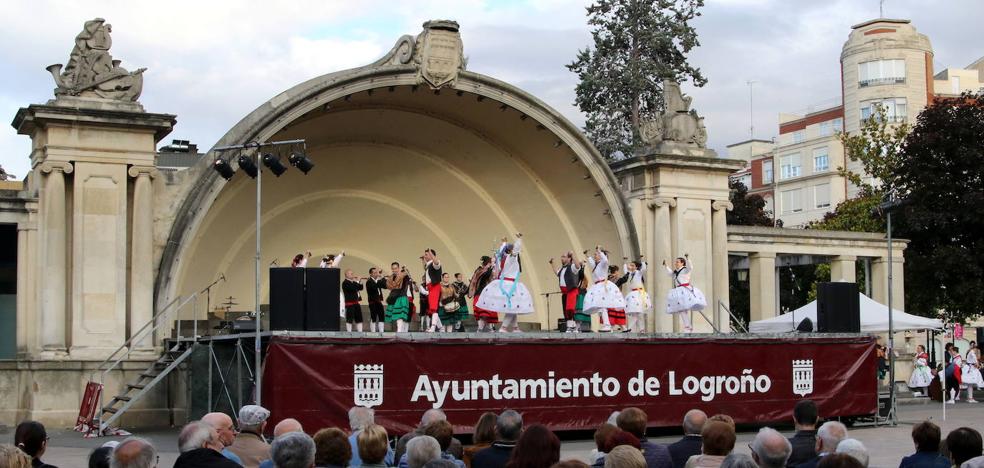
92 71
679 123
439 54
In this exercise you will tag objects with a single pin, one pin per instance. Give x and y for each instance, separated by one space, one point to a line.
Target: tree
878 147
855 214
749 210
637 44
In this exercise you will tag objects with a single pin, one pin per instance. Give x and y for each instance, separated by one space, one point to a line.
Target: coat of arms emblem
803 377
368 386
440 53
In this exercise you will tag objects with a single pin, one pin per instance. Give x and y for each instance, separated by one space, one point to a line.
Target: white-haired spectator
293 450
134 452
227 432
359 419
283 427
770 449
421 450
739 460
830 434
250 445
429 416
199 445
854 448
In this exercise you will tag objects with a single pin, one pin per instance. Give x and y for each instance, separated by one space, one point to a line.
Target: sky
212 62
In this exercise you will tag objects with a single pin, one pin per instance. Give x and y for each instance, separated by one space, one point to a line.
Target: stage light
248 166
223 168
273 163
300 161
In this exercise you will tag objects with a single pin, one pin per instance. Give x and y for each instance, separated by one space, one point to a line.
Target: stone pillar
762 285
842 268
142 255
719 263
879 282
662 250
27 266
54 258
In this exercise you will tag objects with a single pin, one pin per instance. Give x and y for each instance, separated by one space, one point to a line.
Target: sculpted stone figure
91 70
678 124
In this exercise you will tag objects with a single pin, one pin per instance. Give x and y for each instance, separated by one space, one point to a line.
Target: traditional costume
602 295
352 298
424 300
637 301
567 276
953 372
398 301
616 316
461 293
447 310
921 376
582 319
506 294
684 297
479 280
432 281
971 375
374 293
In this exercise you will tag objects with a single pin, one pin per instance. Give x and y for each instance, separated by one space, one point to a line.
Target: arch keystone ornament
439 53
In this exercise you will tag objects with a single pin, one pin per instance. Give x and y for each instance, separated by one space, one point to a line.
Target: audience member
134 452
295 450
570 464
621 437
839 460
331 448
601 436
854 448
739 460
482 437
249 445
536 448
31 437
98 457
13 457
770 449
373 445
227 432
828 436
421 450
443 432
508 429
429 416
963 444
625 456
440 463
634 421
719 440
283 427
200 447
689 445
804 442
723 418
926 437
360 418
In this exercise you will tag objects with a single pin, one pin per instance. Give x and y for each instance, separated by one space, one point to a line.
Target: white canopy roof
874 319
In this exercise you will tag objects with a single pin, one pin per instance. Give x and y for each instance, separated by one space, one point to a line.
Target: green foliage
855 214
749 210
878 147
637 43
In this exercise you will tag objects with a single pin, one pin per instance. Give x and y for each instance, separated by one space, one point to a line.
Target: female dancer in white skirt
637 301
506 294
684 297
971 372
921 377
602 294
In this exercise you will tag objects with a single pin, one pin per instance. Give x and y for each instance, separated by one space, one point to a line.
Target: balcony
881 81
888 118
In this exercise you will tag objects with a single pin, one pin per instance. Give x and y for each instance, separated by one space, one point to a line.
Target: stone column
879 282
662 250
842 268
762 285
54 258
142 255
719 259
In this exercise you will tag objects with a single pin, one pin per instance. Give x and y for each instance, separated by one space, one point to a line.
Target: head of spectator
602 436
719 438
440 463
422 449
839 460
196 435
634 421
360 417
293 450
509 426
223 426
854 448
287 426
537 447
612 418
570 464
693 422
134 452
625 456
485 429
98 457
963 444
739 460
926 437
13 457
430 416
31 437
829 435
332 448
770 449
253 418
442 431
805 415
723 418
373 444
620 437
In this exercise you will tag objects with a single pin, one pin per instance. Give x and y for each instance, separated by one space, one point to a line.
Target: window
829 127
767 172
821 193
792 201
895 109
821 162
789 165
955 84
838 125
879 72
798 136
746 180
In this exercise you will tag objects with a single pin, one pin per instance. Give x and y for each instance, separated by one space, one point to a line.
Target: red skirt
616 316
570 302
482 314
433 297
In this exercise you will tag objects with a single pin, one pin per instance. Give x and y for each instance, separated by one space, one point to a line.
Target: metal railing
734 318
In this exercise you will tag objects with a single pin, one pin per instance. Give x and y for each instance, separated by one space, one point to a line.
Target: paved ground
886 444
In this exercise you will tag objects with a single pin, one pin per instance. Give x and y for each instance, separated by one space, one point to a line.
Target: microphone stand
547 298
208 293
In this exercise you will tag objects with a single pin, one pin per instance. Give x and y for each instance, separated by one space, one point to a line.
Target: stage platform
565 381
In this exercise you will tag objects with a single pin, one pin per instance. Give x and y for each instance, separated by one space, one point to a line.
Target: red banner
566 383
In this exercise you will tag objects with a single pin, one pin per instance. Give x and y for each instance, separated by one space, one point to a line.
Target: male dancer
432 277
481 278
567 276
398 303
374 290
353 311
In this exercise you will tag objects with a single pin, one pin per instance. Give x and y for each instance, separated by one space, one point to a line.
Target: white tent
874 319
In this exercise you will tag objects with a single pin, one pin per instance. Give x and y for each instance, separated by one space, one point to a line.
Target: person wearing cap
250 446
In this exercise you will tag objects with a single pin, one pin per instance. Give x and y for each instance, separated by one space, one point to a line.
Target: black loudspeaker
287 299
838 308
322 302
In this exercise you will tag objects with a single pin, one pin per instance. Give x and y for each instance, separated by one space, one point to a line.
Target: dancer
432 281
330 260
616 316
421 290
447 310
684 297
398 301
375 285
971 372
350 292
479 280
461 297
602 295
953 373
921 377
300 260
567 277
506 294
582 319
637 302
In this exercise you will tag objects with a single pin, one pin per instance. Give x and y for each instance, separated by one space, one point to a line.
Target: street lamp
255 171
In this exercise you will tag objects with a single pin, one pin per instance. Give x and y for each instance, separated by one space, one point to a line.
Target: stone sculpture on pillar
92 71
680 130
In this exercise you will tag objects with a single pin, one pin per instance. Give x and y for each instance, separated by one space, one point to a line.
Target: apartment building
758 175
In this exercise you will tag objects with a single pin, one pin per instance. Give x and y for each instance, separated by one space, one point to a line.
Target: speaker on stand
838 308
322 302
